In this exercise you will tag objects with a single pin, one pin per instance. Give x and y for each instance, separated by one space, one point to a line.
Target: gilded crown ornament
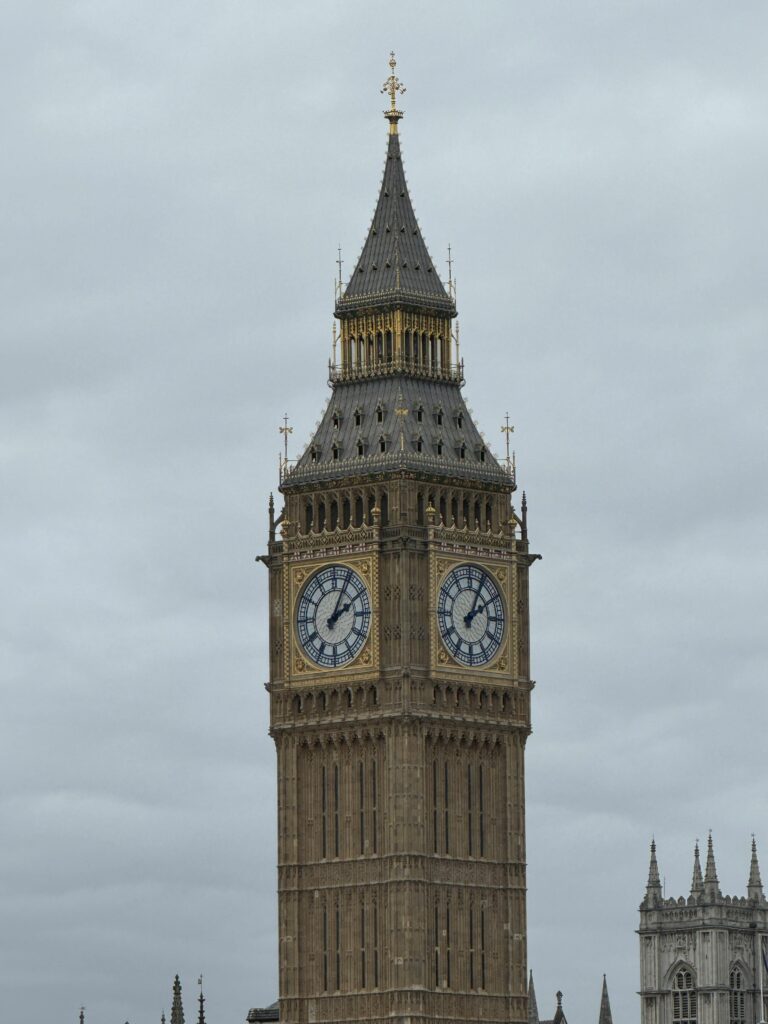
393 86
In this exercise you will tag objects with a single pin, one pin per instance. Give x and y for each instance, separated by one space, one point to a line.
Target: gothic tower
399 668
703 958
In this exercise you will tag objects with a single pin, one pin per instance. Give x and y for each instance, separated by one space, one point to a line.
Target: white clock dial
470 615
333 616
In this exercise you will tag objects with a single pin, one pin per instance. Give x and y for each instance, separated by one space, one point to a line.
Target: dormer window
420 414
439 447
462 451
382 444
358 417
460 420
335 450
336 418
360 448
482 454
379 413
314 454
439 417
419 444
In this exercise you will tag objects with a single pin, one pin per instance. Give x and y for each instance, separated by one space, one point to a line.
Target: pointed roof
533 1009
559 1017
697 882
177 1010
711 884
201 1001
394 268
755 883
605 1006
653 888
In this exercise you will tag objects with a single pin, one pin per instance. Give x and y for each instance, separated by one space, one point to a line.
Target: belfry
399 667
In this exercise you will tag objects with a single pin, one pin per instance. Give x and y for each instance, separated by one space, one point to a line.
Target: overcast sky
174 181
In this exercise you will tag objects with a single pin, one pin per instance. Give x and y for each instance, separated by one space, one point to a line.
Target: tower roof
605 1006
394 268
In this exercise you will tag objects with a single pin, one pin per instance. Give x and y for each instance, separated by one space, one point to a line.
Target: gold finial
393 86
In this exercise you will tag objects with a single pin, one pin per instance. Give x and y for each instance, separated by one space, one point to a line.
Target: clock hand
336 611
468 618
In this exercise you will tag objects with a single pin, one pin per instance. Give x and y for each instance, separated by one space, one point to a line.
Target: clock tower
399 668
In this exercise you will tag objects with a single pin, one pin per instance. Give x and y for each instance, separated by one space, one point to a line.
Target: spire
395 268
82 1015
559 1017
755 883
177 1010
711 884
605 1006
697 884
533 1009
653 889
201 1001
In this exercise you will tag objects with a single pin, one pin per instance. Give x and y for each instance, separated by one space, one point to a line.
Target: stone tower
399 668
700 957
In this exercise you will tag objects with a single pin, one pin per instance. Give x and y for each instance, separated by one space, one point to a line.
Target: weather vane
285 430
508 429
393 86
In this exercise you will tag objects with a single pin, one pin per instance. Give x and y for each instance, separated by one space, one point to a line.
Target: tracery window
684 998
738 1001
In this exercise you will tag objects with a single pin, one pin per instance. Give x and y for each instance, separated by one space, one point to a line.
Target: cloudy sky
175 179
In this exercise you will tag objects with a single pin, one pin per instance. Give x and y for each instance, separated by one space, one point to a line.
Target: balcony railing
453 372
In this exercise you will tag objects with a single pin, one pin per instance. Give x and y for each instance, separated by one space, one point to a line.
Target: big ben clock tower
399 669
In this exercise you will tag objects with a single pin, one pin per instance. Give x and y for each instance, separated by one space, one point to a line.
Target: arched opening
321 517
371 507
389 346
432 352
379 348
476 524
465 512
358 511
334 515
345 513
488 516
442 508
684 998
407 346
309 514
384 509
420 509
454 511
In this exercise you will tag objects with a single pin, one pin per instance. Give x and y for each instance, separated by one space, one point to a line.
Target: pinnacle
711 884
697 883
533 1009
653 889
755 883
177 1009
605 1006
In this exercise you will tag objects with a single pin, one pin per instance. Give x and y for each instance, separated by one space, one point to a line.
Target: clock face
470 615
333 617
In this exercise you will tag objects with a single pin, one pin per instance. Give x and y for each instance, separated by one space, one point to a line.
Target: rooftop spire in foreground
755 883
395 268
177 1010
711 884
605 1006
533 1009
697 883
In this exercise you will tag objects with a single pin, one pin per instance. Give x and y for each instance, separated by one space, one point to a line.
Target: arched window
358 511
684 998
382 443
308 517
334 514
384 508
738 1001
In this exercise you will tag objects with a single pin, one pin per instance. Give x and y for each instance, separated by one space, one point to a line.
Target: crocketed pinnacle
533 1009
755 883
177 1010
559 1017
605 1006
201 1001
395 268
697 883
711 884
653 889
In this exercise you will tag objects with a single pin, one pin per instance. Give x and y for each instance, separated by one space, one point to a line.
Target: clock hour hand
342 594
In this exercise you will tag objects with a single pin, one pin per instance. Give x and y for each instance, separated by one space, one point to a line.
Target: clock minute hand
472 613
336 612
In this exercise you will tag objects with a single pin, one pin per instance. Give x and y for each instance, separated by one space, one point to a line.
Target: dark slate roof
395 267
389 393
264 1013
